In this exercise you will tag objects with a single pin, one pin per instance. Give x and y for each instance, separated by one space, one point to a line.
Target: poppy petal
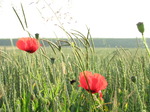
21 44
28 44
96 82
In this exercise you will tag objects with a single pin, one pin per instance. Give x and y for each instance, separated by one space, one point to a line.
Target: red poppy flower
93 83
28 44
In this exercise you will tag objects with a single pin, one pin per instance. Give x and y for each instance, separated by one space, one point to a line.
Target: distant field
98 42
99 51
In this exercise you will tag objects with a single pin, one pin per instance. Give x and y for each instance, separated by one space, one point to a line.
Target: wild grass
38 83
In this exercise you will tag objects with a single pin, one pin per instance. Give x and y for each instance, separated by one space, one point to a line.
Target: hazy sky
105 18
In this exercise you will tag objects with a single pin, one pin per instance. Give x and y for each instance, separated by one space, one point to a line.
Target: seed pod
140 27
37 36
133 79
52 60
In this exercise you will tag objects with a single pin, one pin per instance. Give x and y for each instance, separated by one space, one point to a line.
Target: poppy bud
133 79
32 97
37 36
140 27
59 47
52 60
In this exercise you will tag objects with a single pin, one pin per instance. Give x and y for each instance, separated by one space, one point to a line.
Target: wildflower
93 83
28 44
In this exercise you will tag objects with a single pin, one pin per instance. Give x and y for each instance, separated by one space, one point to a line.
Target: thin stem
145 44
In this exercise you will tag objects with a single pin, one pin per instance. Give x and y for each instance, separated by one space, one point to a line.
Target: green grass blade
24 15
18 18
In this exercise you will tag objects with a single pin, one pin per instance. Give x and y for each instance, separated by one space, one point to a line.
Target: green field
37 74
34 83
98 42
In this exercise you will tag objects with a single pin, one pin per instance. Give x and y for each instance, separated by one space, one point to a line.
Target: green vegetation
34 83
98 42
40 82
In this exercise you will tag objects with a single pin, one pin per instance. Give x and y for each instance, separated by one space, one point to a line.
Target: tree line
98 42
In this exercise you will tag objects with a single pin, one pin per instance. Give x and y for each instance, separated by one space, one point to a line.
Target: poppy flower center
30 51
91 91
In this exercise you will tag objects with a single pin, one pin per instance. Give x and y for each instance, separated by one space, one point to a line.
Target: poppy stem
145 44
89 88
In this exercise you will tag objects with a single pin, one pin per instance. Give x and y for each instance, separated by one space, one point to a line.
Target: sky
104 18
